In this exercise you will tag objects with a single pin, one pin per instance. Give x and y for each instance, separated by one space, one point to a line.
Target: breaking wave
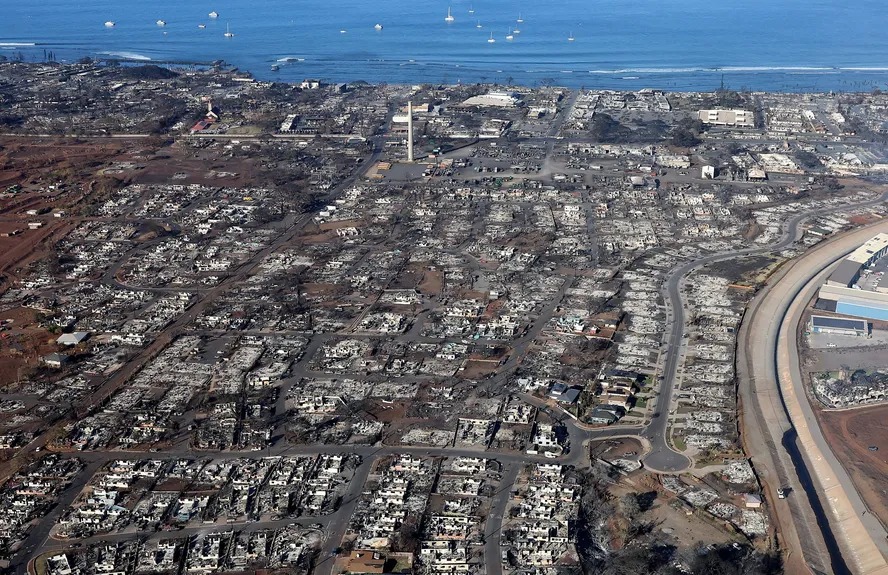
128 56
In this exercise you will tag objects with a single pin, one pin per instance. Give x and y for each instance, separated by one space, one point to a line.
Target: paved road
662 457
494 524
766 436
861 537
40 532
804 523
512 462
339 523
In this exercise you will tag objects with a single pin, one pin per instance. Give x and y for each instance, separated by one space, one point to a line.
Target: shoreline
783 79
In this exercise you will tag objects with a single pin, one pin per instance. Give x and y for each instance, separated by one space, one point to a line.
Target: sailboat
478 25
491 39
471 8
571 37
228 33
509 36
516 31
520 20
449 17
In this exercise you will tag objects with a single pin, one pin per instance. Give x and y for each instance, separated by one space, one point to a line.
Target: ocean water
784 45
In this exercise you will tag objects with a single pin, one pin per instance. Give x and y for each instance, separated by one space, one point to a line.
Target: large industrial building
839 325
735 118
844 291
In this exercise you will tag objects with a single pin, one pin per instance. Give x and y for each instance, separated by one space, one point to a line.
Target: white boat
201 26
471 9
509 36
449 17
214 14
161 23
109 24
571 37
378 27
516 31
228 33
478 25
491 40
520 19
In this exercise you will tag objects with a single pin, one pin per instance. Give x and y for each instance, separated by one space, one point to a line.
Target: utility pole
410 132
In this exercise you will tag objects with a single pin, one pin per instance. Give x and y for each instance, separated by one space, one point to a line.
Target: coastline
290 68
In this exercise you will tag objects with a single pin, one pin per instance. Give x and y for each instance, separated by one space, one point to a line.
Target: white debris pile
753 522
713 416
626 465
706 441
723 510
674 484
436 437
739 472
700 497
708 427
367 427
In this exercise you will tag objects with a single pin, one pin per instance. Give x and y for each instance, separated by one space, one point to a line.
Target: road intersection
660 455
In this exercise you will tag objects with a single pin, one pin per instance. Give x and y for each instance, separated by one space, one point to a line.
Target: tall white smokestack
410 131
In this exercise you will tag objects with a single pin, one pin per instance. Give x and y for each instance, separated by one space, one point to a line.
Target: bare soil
610 449
478 369
741 269
191 166
431 283
408 278
53 174
35 163
863 219
855 431
673 523
387 413
22 344
338 224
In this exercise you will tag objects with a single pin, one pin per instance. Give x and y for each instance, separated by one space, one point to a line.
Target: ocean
775 45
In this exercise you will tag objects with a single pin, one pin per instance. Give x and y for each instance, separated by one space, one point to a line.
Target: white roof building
738 118
72 338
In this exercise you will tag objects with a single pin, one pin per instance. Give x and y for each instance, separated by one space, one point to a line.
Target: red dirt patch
863 219
432 283
22 343
615 448
339 224
856 430
477 369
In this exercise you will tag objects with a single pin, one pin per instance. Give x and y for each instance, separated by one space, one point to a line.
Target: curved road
823 518
662 457
861 537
